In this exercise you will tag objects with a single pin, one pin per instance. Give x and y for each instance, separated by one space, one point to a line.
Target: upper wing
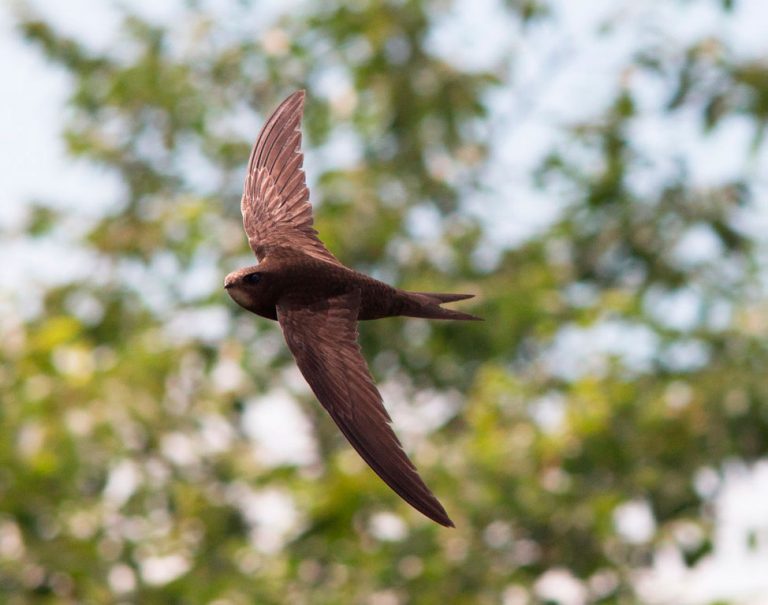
275 204
323 339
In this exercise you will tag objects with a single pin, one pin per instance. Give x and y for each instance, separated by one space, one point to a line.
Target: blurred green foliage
127 470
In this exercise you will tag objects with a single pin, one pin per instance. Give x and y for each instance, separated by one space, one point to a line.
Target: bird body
318 302
291 275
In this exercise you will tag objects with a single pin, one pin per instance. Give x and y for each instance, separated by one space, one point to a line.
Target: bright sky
565 74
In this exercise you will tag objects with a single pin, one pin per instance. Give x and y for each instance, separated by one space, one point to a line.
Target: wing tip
443 520
297 97
433 509
291 105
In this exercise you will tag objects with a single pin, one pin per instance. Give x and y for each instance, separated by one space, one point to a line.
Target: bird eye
252 278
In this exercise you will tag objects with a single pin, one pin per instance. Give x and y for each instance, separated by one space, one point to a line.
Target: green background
129 466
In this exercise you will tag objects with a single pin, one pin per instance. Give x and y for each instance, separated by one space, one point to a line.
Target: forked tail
427 304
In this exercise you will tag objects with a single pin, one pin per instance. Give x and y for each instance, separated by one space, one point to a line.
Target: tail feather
427 305
443 298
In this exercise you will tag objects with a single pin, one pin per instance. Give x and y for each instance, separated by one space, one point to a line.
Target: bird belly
378 300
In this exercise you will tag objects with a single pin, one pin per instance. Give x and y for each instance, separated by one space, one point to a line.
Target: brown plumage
318 302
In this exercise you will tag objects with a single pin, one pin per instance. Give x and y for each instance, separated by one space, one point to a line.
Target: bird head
243 286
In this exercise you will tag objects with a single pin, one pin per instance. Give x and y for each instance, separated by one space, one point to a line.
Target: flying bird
318 302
